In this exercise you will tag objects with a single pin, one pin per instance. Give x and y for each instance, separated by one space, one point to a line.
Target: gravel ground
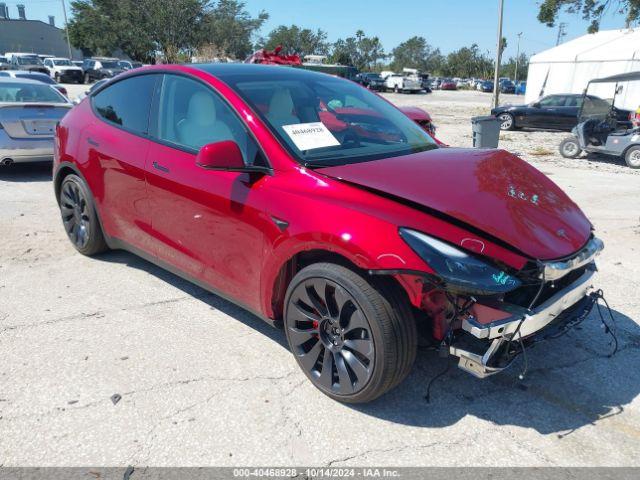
203 382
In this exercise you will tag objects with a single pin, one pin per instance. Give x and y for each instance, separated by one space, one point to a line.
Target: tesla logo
520 195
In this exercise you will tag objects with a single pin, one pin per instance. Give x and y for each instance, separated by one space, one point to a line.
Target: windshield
329 121
62 63
29 92
373 76
29 60
106 64
595 108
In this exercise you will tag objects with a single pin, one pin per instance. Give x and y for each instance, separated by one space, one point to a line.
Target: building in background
568 68
20 34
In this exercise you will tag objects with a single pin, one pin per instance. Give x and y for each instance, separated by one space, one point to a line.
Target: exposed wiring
610 329
427 397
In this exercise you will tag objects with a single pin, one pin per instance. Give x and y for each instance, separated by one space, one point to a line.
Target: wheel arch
275 287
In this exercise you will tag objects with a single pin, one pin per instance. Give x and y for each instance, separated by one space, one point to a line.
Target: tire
56 77
79 216
632 157
507 122
570 148
364 333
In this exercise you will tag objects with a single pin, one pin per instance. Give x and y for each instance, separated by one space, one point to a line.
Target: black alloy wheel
331 336
352 341
79 217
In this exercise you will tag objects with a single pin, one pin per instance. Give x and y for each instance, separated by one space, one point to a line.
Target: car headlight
459 270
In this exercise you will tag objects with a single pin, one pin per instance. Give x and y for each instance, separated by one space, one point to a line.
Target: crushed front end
486 315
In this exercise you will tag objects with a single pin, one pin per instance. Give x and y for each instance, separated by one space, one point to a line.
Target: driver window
551 101
192 115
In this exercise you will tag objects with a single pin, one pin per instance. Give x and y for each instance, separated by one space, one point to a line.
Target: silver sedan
29 112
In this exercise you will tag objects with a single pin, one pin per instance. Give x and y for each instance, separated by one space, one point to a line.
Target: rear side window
127 103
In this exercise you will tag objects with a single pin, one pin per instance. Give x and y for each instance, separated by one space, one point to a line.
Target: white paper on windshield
307 136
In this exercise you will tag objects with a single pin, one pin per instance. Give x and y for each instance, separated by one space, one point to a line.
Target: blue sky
446 24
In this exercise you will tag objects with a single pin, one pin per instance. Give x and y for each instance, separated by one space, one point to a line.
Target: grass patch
541 152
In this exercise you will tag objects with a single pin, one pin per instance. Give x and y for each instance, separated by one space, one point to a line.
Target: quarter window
127 102
192 115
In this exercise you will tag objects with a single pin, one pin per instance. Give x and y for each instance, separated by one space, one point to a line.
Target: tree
296 40
141 28
591 10
360 51
508 68
469 62
416 53
230 28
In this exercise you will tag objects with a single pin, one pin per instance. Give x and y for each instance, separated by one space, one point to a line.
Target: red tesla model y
322 208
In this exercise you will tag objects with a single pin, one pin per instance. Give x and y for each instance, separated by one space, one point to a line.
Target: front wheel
79 216
570 148
353 340
632 157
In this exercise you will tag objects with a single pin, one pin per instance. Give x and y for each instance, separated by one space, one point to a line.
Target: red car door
207 224
117 148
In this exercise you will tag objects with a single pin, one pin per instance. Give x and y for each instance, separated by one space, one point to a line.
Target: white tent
568 68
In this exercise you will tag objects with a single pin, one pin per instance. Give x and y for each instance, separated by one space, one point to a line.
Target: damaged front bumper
508 337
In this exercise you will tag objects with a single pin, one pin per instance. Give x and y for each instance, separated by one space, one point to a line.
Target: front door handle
162 168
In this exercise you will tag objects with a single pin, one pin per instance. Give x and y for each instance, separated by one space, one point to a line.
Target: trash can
486 132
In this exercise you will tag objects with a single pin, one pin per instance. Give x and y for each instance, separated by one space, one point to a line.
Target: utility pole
561 32
66 27
496 73
517 58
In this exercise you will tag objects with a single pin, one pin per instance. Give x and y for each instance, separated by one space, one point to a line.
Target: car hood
488 190
68 67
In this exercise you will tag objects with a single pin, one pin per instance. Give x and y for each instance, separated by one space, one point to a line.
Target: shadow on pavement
570 381
26 172
216 302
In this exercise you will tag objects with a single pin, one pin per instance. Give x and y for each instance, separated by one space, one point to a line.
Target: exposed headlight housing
459 270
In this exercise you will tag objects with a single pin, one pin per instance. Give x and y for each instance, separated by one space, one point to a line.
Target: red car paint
480 200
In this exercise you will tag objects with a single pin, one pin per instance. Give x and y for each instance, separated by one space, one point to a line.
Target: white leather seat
202 126
281 108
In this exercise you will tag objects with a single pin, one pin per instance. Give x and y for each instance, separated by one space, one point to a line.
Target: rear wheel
354 341
570 148
632 157
507 122
79 216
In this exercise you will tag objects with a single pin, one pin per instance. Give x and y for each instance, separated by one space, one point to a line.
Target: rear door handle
162 168
91 141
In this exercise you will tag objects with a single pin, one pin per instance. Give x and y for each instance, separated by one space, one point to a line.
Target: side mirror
225 155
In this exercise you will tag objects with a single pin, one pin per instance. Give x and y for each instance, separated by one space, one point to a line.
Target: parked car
521 88
421 117
448 84
402 83
507 86
4 63
371 80
29 111
62 70
78 63
100 67
556 112
129 64
26 61
227 201
435 83
486 86
37 76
